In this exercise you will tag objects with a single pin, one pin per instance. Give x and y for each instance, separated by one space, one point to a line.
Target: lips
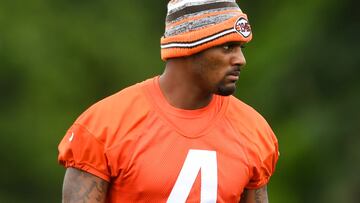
233 75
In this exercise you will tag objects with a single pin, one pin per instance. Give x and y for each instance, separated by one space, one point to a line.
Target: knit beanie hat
195 25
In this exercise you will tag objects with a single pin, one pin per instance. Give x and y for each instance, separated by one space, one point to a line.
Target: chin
226 91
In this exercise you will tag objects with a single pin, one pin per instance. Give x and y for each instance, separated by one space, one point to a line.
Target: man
181 136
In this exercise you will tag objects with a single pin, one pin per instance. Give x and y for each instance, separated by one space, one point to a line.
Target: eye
228 47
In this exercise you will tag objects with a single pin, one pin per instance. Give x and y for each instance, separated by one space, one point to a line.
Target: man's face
218 68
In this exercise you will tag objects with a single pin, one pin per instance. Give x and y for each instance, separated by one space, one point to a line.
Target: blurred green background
59 57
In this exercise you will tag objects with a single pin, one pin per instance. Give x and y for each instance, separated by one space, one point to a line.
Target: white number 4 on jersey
196 160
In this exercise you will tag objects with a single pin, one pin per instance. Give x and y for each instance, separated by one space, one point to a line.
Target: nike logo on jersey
71 137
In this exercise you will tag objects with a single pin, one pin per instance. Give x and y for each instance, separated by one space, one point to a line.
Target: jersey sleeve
80 149
265 158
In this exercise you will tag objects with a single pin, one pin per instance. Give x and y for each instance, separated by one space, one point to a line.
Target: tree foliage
58 57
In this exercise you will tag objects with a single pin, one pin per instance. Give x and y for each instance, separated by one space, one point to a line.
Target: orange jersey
152 152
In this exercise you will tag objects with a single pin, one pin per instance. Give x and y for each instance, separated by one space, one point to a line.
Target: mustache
235 70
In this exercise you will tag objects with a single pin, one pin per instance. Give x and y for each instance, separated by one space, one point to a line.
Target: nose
238 58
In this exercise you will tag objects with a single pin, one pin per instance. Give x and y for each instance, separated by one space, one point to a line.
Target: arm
255 196
80 186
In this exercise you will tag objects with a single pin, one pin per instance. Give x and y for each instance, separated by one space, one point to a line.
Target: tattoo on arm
255 196
80 186
261 195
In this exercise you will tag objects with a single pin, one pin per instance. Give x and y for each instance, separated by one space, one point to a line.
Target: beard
225 90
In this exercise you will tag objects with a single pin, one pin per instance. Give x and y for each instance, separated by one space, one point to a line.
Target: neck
180 86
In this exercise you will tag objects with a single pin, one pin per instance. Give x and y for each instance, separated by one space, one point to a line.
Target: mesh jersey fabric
139 143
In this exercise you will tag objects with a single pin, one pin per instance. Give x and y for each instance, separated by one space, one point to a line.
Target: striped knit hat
195 25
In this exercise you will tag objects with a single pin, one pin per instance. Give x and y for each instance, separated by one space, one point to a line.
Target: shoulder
246 118
252 127
239 111
259 139
116 113
127 99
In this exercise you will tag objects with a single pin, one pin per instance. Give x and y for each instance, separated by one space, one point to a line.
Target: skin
190 82
255 196
219 68
187 83
83 187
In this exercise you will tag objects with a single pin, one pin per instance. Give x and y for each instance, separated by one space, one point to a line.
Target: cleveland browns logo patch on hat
242 26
